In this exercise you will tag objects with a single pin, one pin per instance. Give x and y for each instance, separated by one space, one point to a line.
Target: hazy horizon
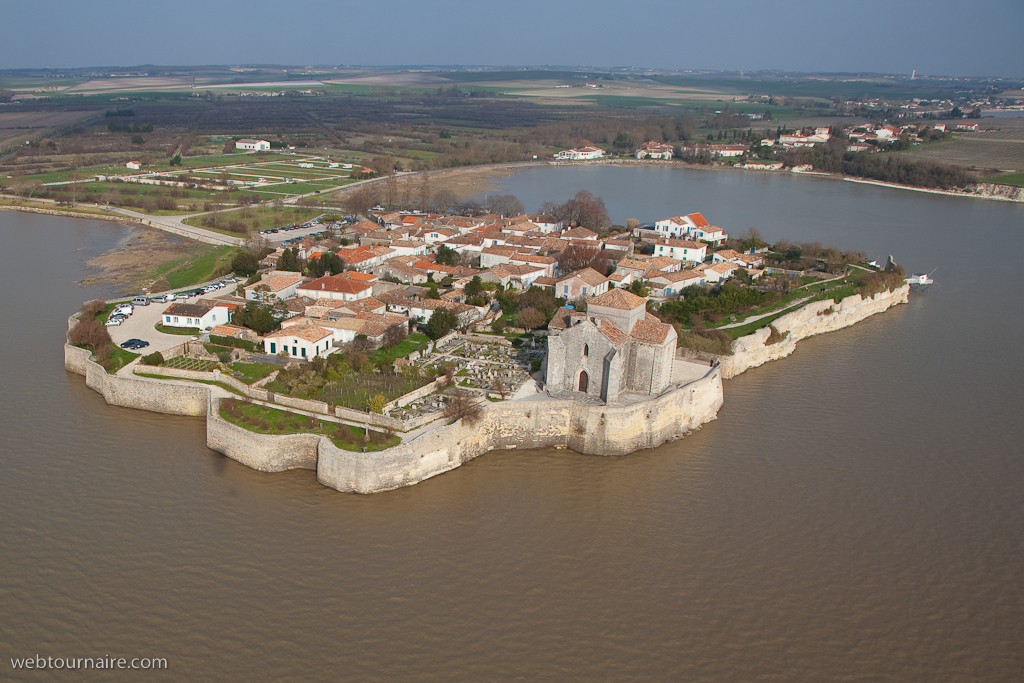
940 39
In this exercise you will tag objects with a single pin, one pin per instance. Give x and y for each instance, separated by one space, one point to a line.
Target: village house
299 342
277 284
683 250
586 282
664 285
614 349
193 315
133 165
653 150
335 287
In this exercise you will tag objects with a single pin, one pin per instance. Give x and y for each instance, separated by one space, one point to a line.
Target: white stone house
191 315
653 150
586 282
300 342
682 250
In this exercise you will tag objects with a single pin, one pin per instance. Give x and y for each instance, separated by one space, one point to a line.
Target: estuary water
856 513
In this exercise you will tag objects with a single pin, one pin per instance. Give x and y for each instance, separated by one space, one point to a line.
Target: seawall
588 429
817 317
596 430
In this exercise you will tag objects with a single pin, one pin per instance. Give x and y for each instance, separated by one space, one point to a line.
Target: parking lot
141 324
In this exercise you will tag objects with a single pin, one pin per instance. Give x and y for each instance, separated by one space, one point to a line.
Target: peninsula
384 349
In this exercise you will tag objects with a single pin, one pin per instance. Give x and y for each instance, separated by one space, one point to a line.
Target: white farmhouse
252 145
654 150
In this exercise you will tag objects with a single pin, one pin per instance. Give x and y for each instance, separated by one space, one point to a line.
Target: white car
125 310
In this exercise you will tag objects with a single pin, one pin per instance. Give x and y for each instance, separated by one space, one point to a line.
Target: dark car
134 344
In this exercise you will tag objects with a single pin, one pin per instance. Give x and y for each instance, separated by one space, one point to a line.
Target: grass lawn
1016 179
268 217
201 268
119 358
190 331
252 372
265 420
414 342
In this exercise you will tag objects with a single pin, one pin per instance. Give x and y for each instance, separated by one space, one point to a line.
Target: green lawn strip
189 331
120 357
201 269
836 294
414 342
252 372
1016 179
278 421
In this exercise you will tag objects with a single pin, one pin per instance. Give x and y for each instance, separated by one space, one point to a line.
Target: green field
1016 179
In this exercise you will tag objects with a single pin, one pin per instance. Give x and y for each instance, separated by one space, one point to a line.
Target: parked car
114 321
134 344
123 310
140 301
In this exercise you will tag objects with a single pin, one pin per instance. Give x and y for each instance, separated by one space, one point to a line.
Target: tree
499 387
444 200
530 318
446 256
584 210
639 288
375 404
441 322
359 201
577 256
394 336
257 316
462 405
504 205
975 113
289 260
474 286
498 325
632 224
424 191
244 263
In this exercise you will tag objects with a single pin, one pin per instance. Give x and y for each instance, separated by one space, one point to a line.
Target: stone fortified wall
597 430
817 317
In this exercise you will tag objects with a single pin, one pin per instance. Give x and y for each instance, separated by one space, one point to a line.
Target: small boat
919 281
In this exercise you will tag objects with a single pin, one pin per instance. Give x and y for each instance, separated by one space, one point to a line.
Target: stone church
613 349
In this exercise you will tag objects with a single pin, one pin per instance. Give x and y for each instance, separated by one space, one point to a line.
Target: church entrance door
584 381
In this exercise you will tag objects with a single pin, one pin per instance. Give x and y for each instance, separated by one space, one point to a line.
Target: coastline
584 428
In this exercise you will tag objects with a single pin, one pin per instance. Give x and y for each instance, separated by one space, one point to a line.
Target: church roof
650 331
618 298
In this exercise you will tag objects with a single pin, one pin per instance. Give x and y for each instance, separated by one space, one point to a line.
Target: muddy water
855 513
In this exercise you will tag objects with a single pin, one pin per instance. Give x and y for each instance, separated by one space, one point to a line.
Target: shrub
717 342
90 309
157 358
498 325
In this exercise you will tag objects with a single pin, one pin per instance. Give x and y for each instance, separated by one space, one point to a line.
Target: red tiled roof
618 298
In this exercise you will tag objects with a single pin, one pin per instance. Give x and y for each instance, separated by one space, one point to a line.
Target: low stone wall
303 404
175 372
406 399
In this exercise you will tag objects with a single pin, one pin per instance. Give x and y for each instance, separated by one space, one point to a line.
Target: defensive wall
584 428
817 317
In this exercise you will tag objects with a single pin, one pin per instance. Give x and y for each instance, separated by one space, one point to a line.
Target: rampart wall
590 429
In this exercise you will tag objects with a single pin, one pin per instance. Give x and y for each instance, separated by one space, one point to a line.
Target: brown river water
856 513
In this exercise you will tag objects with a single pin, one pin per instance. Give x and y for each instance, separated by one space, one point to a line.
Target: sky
935 37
